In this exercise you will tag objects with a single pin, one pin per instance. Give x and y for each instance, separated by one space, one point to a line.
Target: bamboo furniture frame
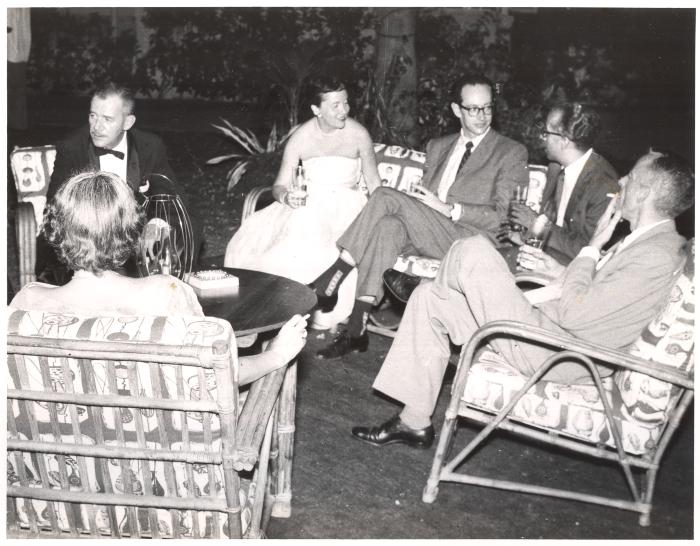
445 470
31 194
252 465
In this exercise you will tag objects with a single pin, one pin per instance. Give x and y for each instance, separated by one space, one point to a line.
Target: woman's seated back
94 224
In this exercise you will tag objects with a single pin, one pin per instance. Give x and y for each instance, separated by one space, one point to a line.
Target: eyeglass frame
477 109
543 133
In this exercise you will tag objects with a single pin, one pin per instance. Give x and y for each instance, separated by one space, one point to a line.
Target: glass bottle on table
297 190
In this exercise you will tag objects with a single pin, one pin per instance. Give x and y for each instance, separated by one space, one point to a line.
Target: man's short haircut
111 88
93 222
579 122
469 79
322 85
674 183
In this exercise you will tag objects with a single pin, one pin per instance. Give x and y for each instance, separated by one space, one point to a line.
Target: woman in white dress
299 242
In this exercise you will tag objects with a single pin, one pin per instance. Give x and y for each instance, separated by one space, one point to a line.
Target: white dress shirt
448 177
114 165
571 174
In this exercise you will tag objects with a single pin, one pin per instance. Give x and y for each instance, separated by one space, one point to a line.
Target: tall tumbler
167 243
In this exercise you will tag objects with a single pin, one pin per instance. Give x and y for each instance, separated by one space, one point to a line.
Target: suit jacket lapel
133 169
581 184
480 153
442 159
549 207
93 162
666 227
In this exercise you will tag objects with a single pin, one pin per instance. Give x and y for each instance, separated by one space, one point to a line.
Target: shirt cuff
589 252
456 212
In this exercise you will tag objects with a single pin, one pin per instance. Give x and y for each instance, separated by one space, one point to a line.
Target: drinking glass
167 244
519 198
538 233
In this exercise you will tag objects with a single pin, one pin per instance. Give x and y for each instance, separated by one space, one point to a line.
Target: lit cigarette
611 194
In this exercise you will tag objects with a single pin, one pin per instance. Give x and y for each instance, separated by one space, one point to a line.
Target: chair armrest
25 233
254 417
567 342
251 201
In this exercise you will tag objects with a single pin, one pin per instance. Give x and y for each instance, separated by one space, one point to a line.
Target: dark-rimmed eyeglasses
476 110
544 133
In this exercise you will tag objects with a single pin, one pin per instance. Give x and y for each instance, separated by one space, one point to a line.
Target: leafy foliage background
262 59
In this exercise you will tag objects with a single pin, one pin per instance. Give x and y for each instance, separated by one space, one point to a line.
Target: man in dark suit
108 143
469 180
579 181
602 297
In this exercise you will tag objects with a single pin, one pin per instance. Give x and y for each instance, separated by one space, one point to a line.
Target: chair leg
431 488
648 483
259 482
25 232
282 507
271 489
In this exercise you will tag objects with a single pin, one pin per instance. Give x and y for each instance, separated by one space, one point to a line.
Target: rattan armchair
628 418
134 426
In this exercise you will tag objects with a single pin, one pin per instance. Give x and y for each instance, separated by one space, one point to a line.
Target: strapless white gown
300 244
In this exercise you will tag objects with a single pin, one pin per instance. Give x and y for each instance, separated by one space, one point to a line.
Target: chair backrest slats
122 435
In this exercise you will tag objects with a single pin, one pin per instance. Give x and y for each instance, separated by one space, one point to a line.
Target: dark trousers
390 224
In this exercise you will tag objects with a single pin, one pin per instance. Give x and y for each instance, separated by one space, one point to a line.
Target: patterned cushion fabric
399 167
32 168
668 340
640 404
200 431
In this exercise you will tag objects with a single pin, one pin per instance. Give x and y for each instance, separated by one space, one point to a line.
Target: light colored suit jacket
586 205
613 305
485 183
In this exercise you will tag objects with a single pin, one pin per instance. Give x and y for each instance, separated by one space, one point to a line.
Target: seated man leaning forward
93 223
110 142
469 179
606 300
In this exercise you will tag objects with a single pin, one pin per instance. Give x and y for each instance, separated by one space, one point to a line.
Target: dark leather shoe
401 285
394 431
344 344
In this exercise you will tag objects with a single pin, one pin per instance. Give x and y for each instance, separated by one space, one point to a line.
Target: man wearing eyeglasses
469 179
579 186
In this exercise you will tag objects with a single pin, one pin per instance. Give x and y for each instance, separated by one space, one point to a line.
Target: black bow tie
105 151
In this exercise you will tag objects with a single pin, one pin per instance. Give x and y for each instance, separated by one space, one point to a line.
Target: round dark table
264 302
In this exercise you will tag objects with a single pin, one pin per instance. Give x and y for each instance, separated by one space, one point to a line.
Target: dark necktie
105 151
467 152
558 191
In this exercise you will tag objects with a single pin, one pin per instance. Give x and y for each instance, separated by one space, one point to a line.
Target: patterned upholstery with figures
32 168
639 403
194 431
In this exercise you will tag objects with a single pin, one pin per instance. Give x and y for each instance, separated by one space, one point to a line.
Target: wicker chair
133 426
31 168
627 418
